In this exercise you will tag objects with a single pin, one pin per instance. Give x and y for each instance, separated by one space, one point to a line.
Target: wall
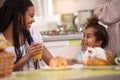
43 22
45 16
86 4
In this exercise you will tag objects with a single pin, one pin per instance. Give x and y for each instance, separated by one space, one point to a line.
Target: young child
94 41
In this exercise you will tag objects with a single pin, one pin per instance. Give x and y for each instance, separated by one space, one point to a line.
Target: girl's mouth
84 45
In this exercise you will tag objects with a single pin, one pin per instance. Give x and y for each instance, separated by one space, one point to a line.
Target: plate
76 66
102 67
53 69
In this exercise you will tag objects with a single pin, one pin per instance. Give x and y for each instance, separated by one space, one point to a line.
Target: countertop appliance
81 17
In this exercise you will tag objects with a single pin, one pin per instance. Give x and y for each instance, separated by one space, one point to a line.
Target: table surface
85 73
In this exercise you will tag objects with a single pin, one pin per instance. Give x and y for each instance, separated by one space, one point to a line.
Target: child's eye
83 36
88 36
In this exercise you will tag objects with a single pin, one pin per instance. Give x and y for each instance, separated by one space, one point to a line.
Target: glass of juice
38 56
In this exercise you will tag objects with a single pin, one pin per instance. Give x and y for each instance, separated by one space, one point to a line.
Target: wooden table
86 73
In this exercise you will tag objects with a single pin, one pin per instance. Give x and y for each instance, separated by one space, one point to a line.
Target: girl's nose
33 19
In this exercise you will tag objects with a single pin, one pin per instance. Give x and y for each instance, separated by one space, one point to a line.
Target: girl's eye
31 15
88 36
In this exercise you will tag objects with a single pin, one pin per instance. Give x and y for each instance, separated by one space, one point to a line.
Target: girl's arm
46 55
33 49
21 62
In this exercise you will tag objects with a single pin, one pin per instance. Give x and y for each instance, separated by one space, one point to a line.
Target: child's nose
83 38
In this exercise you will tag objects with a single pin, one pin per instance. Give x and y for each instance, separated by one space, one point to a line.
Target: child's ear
99 43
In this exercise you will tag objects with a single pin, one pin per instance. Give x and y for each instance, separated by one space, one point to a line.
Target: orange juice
38 56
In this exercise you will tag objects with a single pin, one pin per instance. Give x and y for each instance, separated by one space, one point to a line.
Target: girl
16 17
94 41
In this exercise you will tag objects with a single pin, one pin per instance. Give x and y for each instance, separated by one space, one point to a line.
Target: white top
37 38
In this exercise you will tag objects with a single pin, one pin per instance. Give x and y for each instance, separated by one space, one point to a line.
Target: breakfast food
4 44
6 59
85 61
6 63
58 62
96 62
110 57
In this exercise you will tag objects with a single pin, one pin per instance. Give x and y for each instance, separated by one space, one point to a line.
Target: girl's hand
34 49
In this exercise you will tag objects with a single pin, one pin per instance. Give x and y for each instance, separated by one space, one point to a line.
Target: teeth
83 44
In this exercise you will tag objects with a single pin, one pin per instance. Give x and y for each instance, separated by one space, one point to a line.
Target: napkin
96 52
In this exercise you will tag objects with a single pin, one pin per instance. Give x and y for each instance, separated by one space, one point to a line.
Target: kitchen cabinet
63 48
56 46
66 46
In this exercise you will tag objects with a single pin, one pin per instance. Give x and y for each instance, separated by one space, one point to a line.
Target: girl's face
29 17
89 39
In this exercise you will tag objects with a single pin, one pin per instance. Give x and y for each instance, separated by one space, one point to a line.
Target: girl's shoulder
2 36
33 31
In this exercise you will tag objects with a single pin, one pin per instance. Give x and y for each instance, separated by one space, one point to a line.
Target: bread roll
58 62
4 44
95 62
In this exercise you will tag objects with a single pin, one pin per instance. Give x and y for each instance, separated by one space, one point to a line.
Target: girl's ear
99 43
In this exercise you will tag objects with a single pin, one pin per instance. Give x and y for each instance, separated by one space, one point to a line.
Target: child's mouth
84 44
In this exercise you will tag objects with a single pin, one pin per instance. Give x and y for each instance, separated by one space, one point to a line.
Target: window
44 12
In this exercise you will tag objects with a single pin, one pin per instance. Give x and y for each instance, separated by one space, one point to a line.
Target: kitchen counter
84 73
48 38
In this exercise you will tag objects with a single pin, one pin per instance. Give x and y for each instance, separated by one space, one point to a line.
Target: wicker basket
6 63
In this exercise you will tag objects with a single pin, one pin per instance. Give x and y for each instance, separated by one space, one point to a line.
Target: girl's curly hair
100 31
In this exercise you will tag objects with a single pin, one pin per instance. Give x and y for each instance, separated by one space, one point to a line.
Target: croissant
58 62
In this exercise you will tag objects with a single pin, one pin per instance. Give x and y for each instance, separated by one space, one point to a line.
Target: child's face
29 17
89 39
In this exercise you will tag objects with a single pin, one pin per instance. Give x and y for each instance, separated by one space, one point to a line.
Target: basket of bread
6 59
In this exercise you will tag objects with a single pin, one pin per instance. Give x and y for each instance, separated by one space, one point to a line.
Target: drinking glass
37 59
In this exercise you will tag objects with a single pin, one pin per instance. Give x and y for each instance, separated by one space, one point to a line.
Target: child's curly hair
100 31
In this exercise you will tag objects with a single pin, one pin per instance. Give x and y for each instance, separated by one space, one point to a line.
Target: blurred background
61 23
54 14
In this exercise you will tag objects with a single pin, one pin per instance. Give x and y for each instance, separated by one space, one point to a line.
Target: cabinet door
56 46
63 48
70 51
